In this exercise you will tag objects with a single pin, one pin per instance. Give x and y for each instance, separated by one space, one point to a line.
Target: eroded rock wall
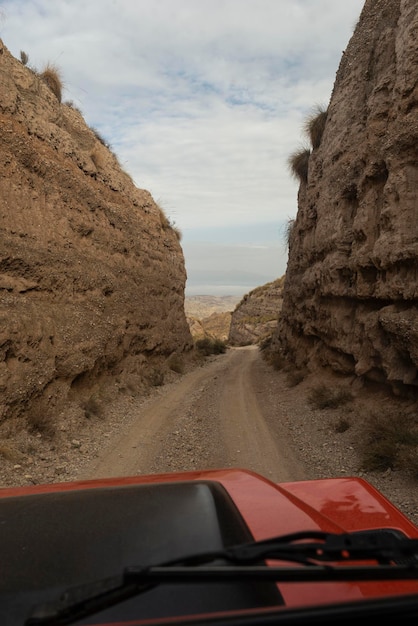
92 274
255 316
350 300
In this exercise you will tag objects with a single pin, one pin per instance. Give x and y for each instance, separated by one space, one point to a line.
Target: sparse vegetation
39 420
24 57
390 442
342 425
156 377
92 408
71 105
167 223
289 229
299 164
207 346
100 137
51 76
176 363
295 376
315 126
324 397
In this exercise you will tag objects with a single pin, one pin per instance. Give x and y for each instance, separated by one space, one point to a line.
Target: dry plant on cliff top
52 77
299 163
315 125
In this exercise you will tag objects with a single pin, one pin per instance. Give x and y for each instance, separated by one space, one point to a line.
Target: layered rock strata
350 299
92 274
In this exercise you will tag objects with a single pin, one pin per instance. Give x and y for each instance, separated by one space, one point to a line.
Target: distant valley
201 307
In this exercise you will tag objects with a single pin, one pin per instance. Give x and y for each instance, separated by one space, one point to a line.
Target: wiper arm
395 554
383 545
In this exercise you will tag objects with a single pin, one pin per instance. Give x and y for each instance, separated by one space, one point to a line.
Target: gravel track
232 411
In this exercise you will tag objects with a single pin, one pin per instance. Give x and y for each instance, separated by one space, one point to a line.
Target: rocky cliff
350 299
92 274
255 316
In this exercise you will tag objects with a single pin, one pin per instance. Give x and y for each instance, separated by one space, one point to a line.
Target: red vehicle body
57 537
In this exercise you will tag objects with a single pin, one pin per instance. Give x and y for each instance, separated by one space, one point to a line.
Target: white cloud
202 100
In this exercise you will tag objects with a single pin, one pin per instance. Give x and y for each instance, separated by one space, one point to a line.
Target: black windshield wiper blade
395 554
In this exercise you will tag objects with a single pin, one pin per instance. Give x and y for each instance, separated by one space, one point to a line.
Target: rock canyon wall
350 298
92 273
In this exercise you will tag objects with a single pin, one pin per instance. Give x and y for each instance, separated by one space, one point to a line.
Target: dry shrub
379 456
52 78
295 377
176 363
207 346
24 57
390 441
299 164
315 126
325 397
342 425
156 377
178 233
40 420
92 408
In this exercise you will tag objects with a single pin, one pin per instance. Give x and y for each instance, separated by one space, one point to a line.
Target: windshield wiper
391 554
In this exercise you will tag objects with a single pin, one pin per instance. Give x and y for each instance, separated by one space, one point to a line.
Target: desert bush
156 377
295 377
325 397
390 441
289 230
70 104
39 420
299 164
100 137
24 57
52 78
92 408
208 346
315 126
379 456
176 363
342 425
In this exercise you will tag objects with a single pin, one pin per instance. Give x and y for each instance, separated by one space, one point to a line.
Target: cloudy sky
202 101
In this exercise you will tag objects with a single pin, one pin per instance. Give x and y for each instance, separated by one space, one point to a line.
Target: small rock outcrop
255 317
350 298
92 274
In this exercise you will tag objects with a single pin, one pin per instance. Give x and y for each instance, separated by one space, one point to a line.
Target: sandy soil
234 410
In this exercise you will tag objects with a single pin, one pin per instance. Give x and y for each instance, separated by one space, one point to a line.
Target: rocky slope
255 316
209 316
92 274
350 298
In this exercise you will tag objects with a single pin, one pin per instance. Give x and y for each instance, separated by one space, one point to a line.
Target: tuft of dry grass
51 76
92 408
315 126
176 363
40 420
324 397
24 57
390 442
298 163
207 346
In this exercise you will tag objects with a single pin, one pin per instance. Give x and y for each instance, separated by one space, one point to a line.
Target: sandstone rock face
215 326
350 300
92 274
255 317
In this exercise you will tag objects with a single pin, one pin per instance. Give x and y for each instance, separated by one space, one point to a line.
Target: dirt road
225 413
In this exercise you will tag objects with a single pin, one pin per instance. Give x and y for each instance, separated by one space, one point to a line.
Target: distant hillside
201 307
256 315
